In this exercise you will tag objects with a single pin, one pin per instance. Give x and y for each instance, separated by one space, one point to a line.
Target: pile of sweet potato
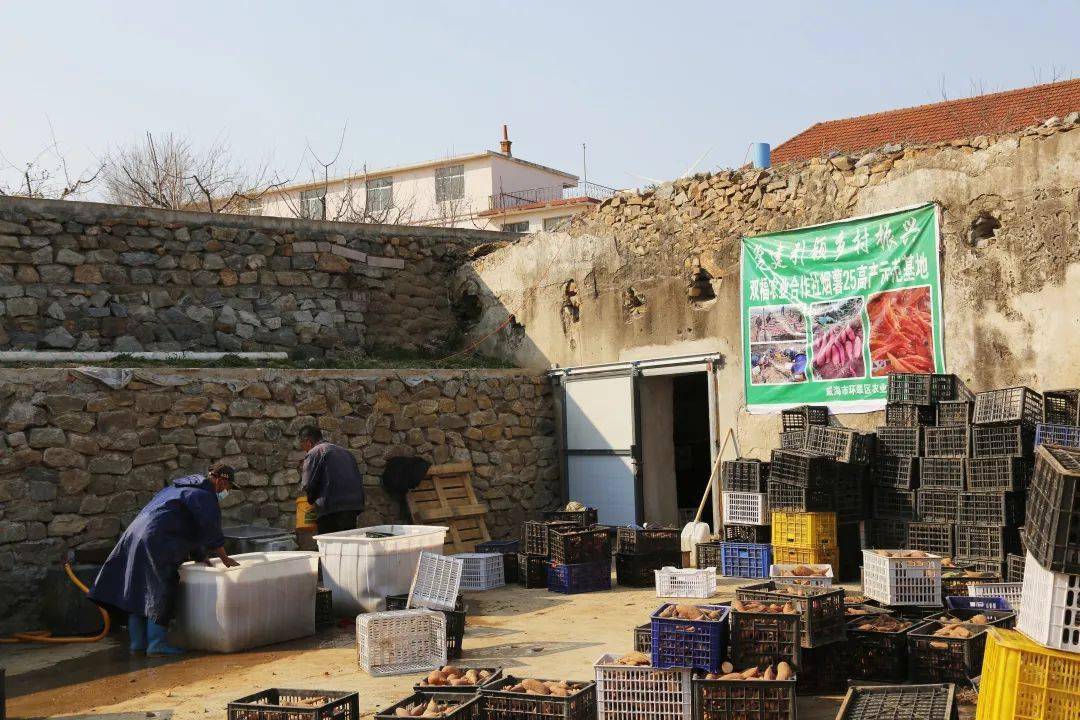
554 688
883 623
805 571
689 612
757 607
450 675
431 709
780 671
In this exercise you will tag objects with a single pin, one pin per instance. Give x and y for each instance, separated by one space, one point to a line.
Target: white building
487 190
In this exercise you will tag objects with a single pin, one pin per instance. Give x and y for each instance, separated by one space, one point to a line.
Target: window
519 227
253 207
449 183
313 204
379 195
556 223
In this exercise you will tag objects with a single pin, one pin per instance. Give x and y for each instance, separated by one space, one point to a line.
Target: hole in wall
515 332
633 303
700 288
983 229
467 307
570 311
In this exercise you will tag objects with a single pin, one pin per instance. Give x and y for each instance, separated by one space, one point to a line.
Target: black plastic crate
745 534
638 570
1005 619
1008 405
889 533
897 471
876 654
993 474
509 551
849 545
1061 407
840 443
795 498
954 583
942 506
643 638
851 498
951 441
656 539
996 440
986 542
467 707
802 417
906 415
821 608
763 638
993 567
1052 528
801 467
934 538
824 670
744 475
534 535
991 508
571 546
932 658
900 702
401 602
942 473
1014 565
896 504
793 440
909 388
501 704
324 606
751 699
532 570
952 413
579 577
274 704
585 517
710 554
903 441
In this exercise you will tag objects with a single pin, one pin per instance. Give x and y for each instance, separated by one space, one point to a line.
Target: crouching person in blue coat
141 576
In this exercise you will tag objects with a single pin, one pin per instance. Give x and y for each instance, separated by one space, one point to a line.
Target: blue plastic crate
963 602
695 644
745 560
1067 435
579 577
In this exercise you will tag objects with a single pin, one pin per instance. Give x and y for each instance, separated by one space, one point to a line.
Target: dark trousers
336 521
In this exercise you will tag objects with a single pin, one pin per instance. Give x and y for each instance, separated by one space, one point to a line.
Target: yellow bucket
305 514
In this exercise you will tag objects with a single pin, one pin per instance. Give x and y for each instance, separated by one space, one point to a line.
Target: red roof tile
991 114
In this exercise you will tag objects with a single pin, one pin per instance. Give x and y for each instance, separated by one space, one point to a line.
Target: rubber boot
136 626
157 646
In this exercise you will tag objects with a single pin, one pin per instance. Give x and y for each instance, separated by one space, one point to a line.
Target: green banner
828 311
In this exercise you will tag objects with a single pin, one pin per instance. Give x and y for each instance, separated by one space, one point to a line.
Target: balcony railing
517 198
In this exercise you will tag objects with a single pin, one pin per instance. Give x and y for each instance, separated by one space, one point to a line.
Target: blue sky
651 87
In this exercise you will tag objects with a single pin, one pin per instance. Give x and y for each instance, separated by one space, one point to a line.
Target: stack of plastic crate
580 559
640 551
744 483
805 538
534 556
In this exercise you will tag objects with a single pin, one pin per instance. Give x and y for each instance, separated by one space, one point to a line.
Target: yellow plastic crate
807 556
804 529
1025 681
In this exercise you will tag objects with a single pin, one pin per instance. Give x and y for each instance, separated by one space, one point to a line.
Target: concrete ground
528 632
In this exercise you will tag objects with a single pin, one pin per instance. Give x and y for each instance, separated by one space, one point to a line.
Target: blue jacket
142 573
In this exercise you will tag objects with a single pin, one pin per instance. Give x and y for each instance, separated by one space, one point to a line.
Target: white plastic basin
361 571
269 598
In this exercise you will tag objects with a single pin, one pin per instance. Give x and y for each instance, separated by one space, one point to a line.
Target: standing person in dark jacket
333 483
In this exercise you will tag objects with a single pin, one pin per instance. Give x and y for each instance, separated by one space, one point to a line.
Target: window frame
563 223
374 188
306 196
450 183
506 226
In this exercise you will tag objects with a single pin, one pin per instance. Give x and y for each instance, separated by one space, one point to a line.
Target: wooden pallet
446 497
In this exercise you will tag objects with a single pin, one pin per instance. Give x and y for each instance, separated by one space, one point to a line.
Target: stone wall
86 276
79 458
656 273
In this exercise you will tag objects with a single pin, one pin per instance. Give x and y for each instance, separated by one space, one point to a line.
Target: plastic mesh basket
694 644
986 542
1008 405
579 577
570 546
991 508
744 475
436 582
954 412
796 498
532 570
708 554
913 388
935 658
1052 524
800 467
876 654
800 418
1061 407
1050 612
1067 435
639 570
793 440
1011 592
534 534
990 474
455 623
632 693
896 471
804 529
509 551
686 582
401 641
643 638
901 581
907 415
935 538
903 441
839 443
893 503
584 517
821 609
653 539
744 508
900 702
764 638
502 704
747 533
941 506
994 440
746 560
284 704
751 699
1025 681
953 441
942 473
481 571
824 670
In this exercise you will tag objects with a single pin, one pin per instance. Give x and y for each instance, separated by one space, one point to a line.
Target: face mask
222 495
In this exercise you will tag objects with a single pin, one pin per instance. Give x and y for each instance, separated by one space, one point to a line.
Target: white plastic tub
361 571
269 598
